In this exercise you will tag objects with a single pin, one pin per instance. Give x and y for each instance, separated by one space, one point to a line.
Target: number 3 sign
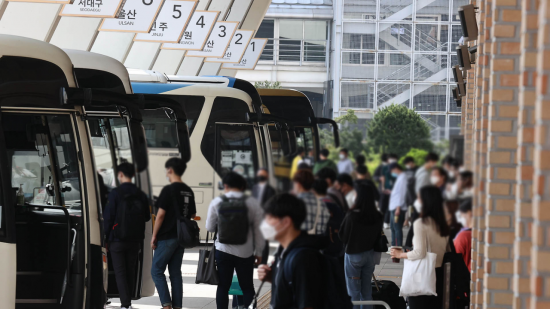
218 41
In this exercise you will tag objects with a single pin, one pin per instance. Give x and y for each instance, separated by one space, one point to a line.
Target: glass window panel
395 36
394 67
452 102
437 10
289 50
314 51
266 29
430 67
387 94
389 10
357 95
457 4
455 123
315 30
368 41
430 98
360 9
351 58
237 151
269 49
290 29
455 36
358 65
351 41
427 38
437 126
368 58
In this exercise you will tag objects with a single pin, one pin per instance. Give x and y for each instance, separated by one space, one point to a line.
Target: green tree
349 117
397 129
267 85
418 155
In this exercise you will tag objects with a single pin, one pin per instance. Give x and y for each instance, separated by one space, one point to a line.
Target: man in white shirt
241 257
345 166
398 204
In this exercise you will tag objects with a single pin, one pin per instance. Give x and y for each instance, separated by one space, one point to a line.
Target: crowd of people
335 212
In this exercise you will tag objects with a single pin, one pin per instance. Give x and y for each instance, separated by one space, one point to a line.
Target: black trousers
384 205
124 256
425 302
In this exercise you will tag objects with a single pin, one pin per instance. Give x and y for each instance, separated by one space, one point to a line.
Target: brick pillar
525 144
540 253
468 118
501 172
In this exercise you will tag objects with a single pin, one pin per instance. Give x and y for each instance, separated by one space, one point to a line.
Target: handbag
419 276
313 231
206 269
381 244
188 230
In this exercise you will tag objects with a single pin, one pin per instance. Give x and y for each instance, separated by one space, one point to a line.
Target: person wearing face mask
324 162
317 212
398 205
359 231
344 183
439 178
329 175
284 217
124 253
262 190
465 185
345 166
168 253
463 241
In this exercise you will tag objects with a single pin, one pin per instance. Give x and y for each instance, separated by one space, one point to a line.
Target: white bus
51 233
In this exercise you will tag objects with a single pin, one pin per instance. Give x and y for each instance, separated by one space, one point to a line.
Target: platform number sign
218 41
134 16
196 33
170 23
92 8
236 48
250 57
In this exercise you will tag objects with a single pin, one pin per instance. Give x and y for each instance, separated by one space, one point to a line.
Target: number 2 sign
218 40
236 48
197 31
250 57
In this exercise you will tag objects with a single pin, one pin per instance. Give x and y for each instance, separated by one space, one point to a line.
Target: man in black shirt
302 288
124 253
176 199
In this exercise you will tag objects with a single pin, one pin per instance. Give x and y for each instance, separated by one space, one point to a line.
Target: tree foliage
397 129
418 155
267 85
349 117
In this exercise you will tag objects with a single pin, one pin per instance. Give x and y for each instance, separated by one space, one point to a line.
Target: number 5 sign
217 41
170 23
250 57
197 31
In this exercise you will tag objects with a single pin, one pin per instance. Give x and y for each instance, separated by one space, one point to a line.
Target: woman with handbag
359 232
431 236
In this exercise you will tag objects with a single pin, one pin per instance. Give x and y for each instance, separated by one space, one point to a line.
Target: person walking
124 252
324 162
284 217
175 200
359 231
345 166
398 205
237 249
317 212
329 176
335 247
431 234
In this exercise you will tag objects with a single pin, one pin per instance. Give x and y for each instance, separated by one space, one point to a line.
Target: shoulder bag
381 244
206 269
419 276
188 230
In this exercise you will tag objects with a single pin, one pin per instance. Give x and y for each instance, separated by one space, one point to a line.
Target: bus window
36 146
237 151
281 161
304 138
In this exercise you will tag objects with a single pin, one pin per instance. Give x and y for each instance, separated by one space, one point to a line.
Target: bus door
328 133
237 149
41 193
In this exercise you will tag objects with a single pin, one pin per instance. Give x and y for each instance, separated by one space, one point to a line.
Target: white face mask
461 219
451 174
342 156
268 231
434 180
392 161
418 206
168 179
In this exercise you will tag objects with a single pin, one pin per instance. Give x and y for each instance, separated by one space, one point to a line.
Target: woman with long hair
359 231
430 232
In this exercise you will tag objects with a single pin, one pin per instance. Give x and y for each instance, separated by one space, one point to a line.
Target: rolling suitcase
387 291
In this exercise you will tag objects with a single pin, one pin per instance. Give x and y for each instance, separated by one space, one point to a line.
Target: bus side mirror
334 129
139 145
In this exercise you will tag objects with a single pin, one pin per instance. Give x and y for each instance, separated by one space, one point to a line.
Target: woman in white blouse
431 234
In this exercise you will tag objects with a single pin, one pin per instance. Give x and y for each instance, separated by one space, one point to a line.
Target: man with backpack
236 219
301 276
175 200
124 222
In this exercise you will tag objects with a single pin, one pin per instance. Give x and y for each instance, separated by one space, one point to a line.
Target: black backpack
335 291
459 296
233 221
188 230
129 222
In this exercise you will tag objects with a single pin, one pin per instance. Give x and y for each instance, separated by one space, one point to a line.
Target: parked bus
51 233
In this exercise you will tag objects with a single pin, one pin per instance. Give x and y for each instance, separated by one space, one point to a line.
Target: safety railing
372 302
295 52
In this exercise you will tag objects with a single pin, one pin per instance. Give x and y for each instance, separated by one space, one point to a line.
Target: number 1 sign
197 31
218 40
250 57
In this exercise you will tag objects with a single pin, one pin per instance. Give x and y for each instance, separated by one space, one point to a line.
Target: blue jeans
397 228
359 269
227 263
168 253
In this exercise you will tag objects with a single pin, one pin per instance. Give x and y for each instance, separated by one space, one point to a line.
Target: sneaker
386 226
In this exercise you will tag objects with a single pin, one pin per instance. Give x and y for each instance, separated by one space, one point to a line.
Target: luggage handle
375 282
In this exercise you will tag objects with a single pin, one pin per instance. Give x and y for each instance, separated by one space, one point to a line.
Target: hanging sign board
236 48
217 42
45 1
135 16
170 23
92 8
197 31
250 57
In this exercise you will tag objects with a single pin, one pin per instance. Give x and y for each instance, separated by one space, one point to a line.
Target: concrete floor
204 296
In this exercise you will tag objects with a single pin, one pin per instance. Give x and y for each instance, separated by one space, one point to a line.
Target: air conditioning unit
467 14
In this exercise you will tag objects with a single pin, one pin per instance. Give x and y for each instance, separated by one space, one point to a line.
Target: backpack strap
288 262
313 230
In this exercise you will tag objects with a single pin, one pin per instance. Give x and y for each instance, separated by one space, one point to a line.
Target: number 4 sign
170 23
250 57
197 31
236 48
218 40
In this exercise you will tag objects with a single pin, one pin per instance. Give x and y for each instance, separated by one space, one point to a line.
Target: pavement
204 296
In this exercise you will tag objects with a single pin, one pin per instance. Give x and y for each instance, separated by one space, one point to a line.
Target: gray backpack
233 221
